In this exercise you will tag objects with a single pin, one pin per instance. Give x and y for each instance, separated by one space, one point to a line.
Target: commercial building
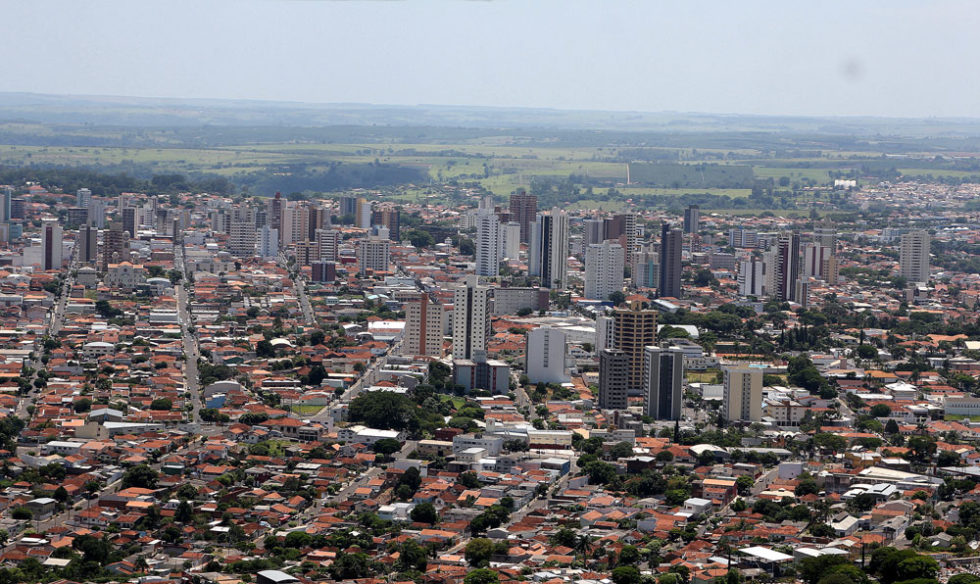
663 380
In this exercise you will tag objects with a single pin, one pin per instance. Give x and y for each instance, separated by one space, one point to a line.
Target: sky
830 58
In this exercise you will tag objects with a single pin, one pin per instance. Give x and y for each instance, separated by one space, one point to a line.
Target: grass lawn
305 410
708 376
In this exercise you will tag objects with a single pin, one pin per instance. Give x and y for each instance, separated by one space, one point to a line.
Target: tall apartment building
605 333
487 240
295 223
88 244
671 246
524 210
752 278
783 267
510 240
635 328
645 267
328 241
83 198
51 245
268 242
241 233
738 237
274 215
390 217
826 236
663 382
348 206
914 256
471 320
129 220
692 219
614 373
622 228
604 263
819 261
548 254
114 245
373 254
594 231
545 356
743 393
423 326
364 213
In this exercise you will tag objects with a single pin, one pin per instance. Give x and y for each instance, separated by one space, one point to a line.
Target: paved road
189 340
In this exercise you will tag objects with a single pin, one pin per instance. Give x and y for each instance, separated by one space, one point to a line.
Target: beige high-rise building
423 327
743 393
914 256
471 319
634 328
373 254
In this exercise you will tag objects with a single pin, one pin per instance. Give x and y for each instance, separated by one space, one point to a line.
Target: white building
423 326
471 319
914 256
373 254
545 356
487 240
603 270
510 240
743 393
268 242
752 278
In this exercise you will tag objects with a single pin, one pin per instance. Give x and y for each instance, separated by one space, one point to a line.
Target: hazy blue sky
893 58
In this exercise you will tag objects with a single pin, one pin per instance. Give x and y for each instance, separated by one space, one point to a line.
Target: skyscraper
275 213
743 393
614 369
88 244
364 210
663 376
635 327
548 254
603 270
487 240
671 242
692 219
471 320
914 256
348 206
783 267
6 198
129 220
241 238
645 268
545 358
423 327
622 228
605 338
51 245
295 223
524 210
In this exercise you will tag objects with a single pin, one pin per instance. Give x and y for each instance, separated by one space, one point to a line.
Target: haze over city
895 58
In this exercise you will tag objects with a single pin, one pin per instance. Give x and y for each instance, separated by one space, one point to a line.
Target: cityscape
489 292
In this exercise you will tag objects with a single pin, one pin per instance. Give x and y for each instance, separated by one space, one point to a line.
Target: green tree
386 447
141 476
478 552
626 575
425 513
481 576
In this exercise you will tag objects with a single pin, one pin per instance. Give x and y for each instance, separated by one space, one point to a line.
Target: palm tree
141 565
583 545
